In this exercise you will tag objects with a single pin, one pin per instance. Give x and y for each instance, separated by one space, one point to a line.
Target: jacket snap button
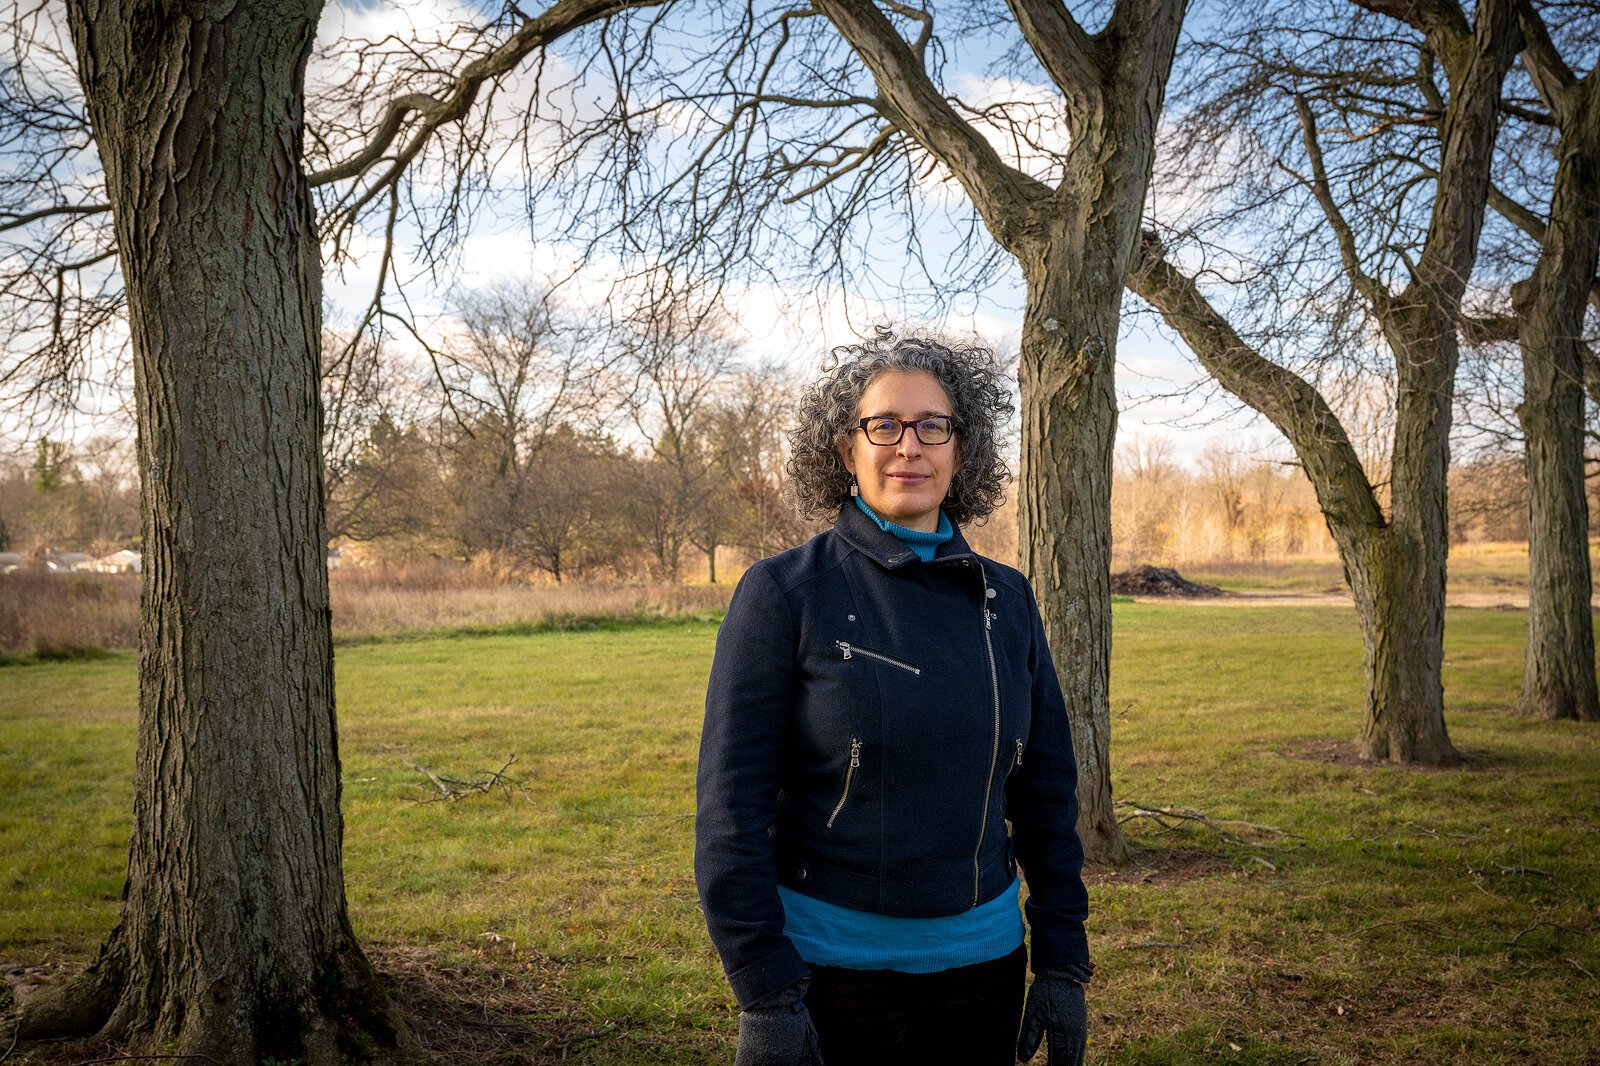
989 593
802 873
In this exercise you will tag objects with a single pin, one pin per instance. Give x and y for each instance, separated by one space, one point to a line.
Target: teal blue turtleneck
924 544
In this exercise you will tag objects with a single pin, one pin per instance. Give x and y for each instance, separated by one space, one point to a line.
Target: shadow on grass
1348 753
491 1008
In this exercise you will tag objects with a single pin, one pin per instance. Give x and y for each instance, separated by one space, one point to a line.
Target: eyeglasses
886 430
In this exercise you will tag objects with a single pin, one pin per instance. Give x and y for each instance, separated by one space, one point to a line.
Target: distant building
122 562
67 562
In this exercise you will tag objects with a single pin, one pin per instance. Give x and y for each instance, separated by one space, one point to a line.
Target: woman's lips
910 479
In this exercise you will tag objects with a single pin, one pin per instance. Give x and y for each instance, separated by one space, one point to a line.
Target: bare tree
747 431
366 458
519 371
1075 240
1140 513
1394 560
229 952
1224 469
678 358
782 143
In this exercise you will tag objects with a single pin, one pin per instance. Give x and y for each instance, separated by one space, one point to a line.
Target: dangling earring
855 489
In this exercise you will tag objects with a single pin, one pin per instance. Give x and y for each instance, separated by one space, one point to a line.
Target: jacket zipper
851 649
994 757
1019 753
849 775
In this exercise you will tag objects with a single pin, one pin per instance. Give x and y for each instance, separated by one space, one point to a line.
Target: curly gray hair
829 407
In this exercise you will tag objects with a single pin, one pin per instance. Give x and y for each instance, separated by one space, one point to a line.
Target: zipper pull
1019 751
855 753
988 619
844 648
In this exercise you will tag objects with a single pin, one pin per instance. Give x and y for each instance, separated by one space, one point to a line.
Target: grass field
1322 912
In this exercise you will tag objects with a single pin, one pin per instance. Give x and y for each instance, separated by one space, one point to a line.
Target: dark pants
967 1016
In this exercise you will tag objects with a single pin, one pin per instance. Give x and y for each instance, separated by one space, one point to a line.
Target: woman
882 704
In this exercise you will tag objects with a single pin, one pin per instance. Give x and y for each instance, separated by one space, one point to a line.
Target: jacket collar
885 549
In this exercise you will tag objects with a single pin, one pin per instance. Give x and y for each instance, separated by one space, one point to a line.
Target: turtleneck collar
924 544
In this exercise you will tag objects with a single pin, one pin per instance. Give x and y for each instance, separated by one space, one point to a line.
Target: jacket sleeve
736 790
1042 803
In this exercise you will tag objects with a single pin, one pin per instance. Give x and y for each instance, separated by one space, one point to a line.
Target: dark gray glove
1055 1005
777 1031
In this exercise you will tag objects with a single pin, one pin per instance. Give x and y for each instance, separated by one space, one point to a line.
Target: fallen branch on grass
1172 819
1541 924
1428 927
482 783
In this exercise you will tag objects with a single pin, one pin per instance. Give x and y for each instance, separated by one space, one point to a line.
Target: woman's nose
910 444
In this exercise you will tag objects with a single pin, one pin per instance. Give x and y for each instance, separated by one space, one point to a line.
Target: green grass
1388 916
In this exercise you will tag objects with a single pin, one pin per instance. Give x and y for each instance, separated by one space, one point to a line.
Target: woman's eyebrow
925 414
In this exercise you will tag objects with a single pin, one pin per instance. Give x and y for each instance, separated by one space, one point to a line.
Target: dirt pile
1158 581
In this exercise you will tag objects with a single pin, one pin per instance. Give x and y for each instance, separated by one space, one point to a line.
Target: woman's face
904 483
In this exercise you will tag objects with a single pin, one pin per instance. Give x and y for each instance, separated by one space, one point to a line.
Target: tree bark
1396 569
1558 679
1069 423
1075 281
234 941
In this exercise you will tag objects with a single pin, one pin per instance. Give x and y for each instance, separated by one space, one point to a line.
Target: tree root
348 1018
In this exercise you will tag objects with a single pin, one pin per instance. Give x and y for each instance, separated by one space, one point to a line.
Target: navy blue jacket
872 723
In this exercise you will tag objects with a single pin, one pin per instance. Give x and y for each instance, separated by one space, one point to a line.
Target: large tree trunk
1398 584
1403 563
1069 421
1558 679
234 941
1075 277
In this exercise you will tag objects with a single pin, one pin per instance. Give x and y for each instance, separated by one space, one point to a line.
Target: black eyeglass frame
913 424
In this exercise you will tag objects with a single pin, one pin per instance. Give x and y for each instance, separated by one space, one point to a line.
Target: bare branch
1531 224
1488 329
1288 400
1551 76
1441 21
10 222
1005 196
1375 293
1073 59
561 18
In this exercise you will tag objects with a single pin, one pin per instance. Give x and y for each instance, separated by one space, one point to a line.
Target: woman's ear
847 454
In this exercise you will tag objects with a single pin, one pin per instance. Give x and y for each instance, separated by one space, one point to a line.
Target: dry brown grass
361 610
58 616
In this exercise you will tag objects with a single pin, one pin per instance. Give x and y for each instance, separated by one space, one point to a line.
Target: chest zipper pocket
852 650
1016 764
849 776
